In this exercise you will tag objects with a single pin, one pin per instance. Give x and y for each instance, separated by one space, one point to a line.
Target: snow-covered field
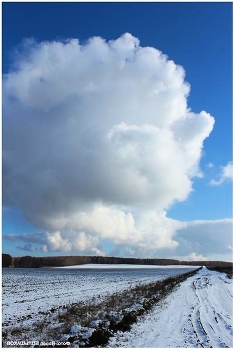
126 266
27 293
197 314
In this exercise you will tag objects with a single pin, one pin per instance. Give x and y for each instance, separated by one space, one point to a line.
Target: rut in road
197 314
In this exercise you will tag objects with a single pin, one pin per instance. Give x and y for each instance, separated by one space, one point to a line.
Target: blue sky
196 36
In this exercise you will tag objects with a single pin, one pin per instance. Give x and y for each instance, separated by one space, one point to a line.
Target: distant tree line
54 261
6 260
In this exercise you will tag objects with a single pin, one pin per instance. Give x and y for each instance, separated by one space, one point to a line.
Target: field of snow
28 293
197 314
126 266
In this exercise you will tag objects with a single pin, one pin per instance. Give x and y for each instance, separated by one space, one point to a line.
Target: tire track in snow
205 323
198 314
211 318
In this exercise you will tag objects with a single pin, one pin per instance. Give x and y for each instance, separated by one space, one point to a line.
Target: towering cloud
98 142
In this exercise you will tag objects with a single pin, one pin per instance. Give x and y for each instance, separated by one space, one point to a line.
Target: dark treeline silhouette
53 261
6 260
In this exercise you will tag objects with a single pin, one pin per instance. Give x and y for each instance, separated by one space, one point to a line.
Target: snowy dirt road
197 314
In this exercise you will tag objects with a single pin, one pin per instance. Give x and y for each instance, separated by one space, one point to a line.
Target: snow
30 294
197 314
75 329
125 266
95 323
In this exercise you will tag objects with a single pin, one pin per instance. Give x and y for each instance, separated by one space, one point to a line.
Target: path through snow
197 314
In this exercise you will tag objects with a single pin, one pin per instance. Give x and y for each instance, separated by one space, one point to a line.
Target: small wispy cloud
226 174
27 247
210 165
194 257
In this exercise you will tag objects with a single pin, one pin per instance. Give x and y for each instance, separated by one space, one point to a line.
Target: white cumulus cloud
98 140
